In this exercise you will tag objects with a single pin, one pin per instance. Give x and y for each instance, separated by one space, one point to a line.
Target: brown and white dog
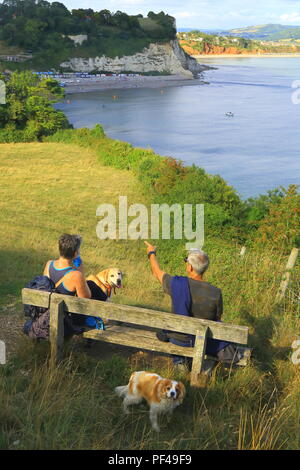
162 395
108 280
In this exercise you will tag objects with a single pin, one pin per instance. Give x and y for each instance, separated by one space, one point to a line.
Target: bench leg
56 329
199 353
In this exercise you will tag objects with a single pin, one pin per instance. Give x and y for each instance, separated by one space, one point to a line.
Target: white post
287 274
2 352
243 250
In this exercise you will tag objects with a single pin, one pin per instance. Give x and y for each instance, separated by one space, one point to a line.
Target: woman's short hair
68 245
199 261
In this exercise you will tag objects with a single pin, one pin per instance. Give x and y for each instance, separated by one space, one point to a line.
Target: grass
5 49
50 188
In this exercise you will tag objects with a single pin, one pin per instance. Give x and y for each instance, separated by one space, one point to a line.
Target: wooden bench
141 333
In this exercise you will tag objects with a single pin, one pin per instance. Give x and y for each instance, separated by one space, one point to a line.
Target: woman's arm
82 289
46 269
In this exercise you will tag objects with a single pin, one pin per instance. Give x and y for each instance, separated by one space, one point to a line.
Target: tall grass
49 188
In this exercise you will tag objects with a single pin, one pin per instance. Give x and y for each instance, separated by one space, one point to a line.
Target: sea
242 121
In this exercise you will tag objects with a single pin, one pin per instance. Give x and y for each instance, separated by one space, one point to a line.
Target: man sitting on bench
192 296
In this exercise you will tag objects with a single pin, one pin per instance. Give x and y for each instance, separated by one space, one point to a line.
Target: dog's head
172 390
111 276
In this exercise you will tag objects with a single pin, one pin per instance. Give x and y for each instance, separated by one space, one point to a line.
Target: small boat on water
230 114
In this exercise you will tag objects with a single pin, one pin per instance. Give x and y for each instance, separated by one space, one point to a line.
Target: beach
82 85
236 56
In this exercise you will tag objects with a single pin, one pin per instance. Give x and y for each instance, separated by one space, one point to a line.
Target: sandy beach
211 56
83 85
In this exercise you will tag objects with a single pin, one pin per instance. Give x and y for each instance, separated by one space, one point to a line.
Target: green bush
28 113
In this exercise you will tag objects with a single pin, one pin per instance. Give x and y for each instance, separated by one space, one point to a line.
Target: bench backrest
138 316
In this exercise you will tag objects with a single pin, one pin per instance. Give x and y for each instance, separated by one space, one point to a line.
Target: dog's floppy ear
162 386
104 274
181 388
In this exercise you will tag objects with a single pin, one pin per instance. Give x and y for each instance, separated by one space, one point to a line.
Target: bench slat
139 316
35 297
140 339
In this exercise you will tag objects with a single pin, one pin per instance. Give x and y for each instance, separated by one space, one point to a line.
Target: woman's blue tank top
57 274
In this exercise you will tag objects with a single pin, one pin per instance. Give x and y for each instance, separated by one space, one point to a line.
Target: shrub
281 226
28 114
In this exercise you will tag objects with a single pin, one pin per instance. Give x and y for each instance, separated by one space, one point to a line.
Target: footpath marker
287 274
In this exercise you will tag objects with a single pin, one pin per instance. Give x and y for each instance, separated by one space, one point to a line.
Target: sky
205 14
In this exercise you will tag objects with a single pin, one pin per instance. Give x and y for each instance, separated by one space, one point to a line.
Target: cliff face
156 58
211 49
208 49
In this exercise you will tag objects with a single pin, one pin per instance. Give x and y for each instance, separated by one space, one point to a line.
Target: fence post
2 352
199 353
243 251
56 329
287 274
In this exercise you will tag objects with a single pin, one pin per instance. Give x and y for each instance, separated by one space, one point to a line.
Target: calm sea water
256 150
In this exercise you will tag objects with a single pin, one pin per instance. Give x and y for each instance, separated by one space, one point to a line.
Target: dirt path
11 323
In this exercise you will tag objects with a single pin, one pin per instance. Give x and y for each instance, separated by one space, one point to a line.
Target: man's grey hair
199 260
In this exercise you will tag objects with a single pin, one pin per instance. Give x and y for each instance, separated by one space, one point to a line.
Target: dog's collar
107 286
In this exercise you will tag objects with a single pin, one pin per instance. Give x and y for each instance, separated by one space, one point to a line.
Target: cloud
290 17
182 14
205 14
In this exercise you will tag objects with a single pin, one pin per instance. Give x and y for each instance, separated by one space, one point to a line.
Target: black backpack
39 283
38 325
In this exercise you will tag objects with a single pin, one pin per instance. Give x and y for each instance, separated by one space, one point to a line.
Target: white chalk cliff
168 57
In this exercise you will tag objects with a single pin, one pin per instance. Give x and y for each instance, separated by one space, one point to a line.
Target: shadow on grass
264 329
17 269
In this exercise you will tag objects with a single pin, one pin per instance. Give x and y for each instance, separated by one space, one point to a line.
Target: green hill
48 188
267 32
44 29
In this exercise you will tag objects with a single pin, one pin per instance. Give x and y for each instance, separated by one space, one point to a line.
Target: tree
28 110
33 33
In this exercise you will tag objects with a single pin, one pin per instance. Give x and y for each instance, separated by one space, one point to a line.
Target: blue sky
209 14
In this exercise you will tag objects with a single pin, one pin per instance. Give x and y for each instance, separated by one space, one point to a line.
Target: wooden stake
243 250
56 329
287 274
199 353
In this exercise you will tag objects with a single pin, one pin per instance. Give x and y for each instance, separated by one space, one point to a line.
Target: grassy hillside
268 32
5 49
49 188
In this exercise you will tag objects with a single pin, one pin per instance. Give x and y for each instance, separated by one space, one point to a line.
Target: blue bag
95 322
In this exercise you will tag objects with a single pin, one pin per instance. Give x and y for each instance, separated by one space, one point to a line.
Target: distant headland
47 36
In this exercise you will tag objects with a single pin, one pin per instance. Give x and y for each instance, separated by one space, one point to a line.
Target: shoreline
85 85
283 55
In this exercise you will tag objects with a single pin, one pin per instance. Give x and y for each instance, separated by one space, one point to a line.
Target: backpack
95 322
43 283
38 326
